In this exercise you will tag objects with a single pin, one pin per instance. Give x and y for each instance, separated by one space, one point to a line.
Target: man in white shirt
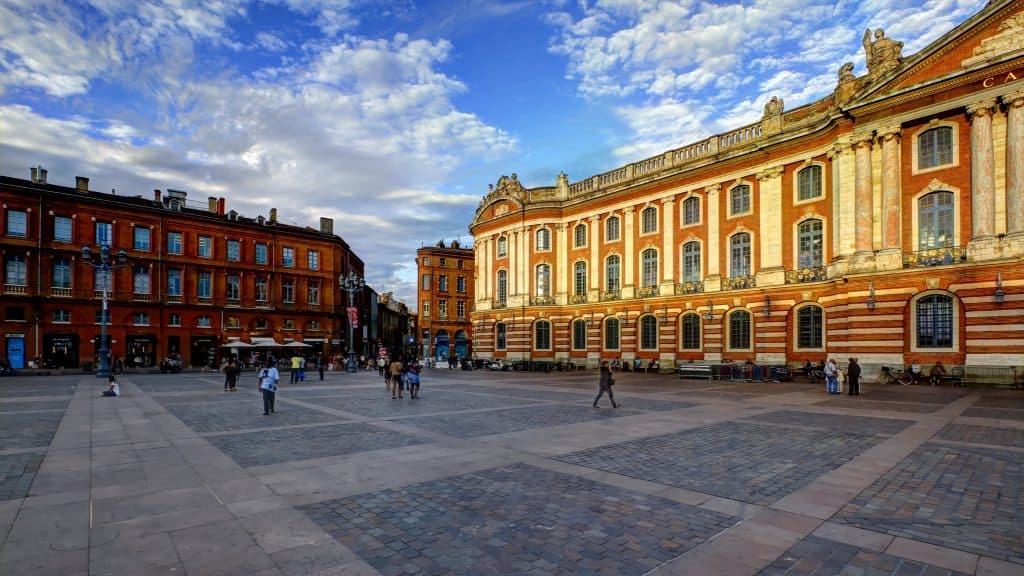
269 378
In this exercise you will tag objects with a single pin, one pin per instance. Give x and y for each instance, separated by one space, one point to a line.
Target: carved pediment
1008 38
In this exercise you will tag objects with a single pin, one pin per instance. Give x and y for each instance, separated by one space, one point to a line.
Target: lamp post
351 284
104 262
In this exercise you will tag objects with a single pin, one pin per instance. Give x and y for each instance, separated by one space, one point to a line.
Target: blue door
16 352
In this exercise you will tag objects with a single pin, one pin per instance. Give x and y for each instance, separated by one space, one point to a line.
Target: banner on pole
353 316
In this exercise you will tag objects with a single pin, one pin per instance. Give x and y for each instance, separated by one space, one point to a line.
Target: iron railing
935 257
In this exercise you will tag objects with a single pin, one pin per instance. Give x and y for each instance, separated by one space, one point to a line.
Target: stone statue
846 73
883 54
773 107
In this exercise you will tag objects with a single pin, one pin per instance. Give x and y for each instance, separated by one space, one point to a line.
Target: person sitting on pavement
112 388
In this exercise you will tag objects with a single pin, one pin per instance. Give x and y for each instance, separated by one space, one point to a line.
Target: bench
997 375
694 371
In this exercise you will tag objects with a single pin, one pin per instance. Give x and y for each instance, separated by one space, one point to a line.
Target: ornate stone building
445 297
885 221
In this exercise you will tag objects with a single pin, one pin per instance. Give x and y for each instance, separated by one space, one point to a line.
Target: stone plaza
507 473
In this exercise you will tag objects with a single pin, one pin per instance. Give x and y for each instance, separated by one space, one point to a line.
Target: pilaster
628 257
713 282
1014 102
595 266
560 275
863 259
770 272
668 256
983 244
891 255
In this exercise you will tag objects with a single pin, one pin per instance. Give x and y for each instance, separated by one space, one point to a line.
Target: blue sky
393 117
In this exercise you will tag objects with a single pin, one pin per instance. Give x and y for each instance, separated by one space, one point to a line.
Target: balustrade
60 292
611 295
542 301
738 283
935 257
15 289
647 291
689 288
498 304
806 275
578 299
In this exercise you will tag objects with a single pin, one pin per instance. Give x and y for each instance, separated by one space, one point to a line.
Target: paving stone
818 556
1003 413
474 424
377 404
860 403
17 471
837 422
983 435
57 404
28 430
239 410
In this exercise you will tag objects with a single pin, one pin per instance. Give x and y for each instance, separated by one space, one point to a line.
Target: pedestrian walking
231 372
412 376
269 378
382 364
853 377
293 377
386 371
320 363
605 384
396 378
831 379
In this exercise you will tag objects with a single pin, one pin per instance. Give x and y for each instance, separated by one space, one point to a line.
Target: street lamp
351 284
104 263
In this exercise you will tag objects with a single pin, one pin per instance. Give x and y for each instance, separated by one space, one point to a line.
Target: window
691 211
103 279
140 280
611 273
61 316
426 308
502 247
809 328
442 308
611 229
739 200
502 285
809 244
649 220
611 333
313 259
61 229
203 322
101 318
314 325
692 271
175 243
460 309
260 254
579 276
580 235
204 287
442 262
500 336
261 289
288 257
104 234
935 221
313 293
234 291
205 247
935 147
174 320
542 335
808 183
425 282
739 330
140 319
288 324
648 333
543 280
579 334
288 291
262 324
426 260
61 269
16 313
442 282
460 284
234 250
232 322
649 268
174 282
543 239
141 239
739 255
935 321
17 223
691 332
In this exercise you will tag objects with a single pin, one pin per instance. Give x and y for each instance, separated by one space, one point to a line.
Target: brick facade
445 291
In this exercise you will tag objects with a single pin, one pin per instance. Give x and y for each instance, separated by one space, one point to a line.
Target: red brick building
198 277
445 297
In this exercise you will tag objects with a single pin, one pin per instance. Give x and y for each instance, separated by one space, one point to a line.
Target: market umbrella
296 345
237 344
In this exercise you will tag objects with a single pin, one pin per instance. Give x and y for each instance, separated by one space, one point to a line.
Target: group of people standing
834 375
400 374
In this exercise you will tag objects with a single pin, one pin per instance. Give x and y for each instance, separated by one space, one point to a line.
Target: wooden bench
995 375
694 371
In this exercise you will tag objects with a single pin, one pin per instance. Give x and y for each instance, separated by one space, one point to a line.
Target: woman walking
605 384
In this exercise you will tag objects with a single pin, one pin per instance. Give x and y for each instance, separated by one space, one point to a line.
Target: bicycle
903 377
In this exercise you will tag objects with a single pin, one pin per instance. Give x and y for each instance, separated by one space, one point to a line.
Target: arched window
580 235
542 335
611 228
611 333
808 183
611 273
579 278
543 239
691 331
809 238
502 285
543 280
935 147
739 255
691 262
500 336
502 247
935 220
691 210
810 329
649 220
579 334
648 333
739 200
739 330
649 267
935 321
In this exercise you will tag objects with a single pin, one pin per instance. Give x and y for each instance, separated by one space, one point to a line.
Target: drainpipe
39 278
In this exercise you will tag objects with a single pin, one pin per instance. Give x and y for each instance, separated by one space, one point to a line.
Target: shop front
140 350
60 350
203 351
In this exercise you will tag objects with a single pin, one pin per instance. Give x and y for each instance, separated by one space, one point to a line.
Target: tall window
808 183
174 319
204 287
611 273
649 265
442 282
442 308
61 273
425 282
544 280
809 238
739 255
460 309
175 243
288 257
543 239
579 334
648 333
460 283
739 330
502 247
502 294
15 270
691 332
261 289
691 262
542 335
611 228
691 210
500 336
205 247
104 234
935 147
313 259
739 200
140 239
288 291
260 254
61 229
234 289
140 280
649 220
579 278
809 328
579 234
174 282
441 262
935 221
426 308
234 250
935 321
611 333
17 223
313 293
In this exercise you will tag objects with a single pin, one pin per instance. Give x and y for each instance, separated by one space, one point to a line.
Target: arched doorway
441 345
461 344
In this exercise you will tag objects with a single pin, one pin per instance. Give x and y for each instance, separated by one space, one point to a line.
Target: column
890 137
1014 102
983 217
628 257
863 208
560 276
513 265
770 272
594 266
668 241
713 282
843 171
523 266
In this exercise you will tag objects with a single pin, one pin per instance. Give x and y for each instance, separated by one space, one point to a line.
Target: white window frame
912 332
653 220
682 211
915 146
640 333
682 332
71 229
577 230
607 229
728 248
750 206
542 240
822 192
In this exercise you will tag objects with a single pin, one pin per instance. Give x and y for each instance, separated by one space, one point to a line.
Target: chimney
327 226
273 215
81 183
211 204
220 206
39 175
157 194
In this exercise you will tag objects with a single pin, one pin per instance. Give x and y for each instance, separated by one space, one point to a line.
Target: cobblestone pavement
515 520
238 410
28 429
984 435
17 471
474 424
755 463
814 556
377 404
847 403
1006 414
964 498
836 422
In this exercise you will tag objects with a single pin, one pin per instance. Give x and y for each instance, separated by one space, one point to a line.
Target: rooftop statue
883 54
